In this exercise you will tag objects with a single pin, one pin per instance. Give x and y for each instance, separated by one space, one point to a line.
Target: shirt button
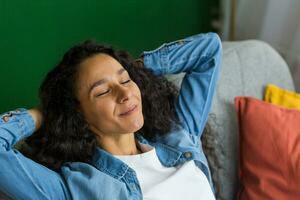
187 154
6 117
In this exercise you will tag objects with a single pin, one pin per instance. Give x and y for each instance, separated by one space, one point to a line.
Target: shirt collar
107 163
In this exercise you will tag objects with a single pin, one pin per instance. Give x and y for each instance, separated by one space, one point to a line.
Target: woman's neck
122 144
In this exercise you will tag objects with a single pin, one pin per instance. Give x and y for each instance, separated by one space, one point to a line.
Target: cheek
99 113
137 90
104 112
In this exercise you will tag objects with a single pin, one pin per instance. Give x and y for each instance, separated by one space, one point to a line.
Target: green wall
34 34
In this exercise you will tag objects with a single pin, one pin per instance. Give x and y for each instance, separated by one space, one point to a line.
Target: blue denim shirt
107 177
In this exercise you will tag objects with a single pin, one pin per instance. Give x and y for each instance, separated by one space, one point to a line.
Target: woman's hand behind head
37 117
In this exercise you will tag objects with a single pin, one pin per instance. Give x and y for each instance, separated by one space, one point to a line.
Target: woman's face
106 93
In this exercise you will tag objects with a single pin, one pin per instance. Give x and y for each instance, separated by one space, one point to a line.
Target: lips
130 110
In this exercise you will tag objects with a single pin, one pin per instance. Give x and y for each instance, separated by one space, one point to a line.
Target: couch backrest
247 67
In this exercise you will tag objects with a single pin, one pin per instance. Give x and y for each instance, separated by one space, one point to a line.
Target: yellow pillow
282 97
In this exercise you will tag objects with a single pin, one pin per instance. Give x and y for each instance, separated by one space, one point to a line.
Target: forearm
188 54
199 56
15 126
23 178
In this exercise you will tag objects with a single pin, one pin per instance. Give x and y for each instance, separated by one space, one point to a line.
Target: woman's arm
20 177
199 56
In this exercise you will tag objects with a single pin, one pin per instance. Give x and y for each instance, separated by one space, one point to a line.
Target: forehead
99 65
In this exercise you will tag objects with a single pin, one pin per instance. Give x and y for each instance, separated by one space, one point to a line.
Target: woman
109 127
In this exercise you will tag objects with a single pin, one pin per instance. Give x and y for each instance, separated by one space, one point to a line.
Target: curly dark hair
64 135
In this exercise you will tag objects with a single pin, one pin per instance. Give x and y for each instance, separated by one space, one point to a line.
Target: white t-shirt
185 182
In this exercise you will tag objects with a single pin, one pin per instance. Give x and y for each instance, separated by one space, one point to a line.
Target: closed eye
126 81
109 89
102 93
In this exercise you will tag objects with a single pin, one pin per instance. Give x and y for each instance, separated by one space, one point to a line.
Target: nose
124 94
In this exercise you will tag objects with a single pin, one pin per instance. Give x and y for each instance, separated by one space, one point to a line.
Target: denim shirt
107 177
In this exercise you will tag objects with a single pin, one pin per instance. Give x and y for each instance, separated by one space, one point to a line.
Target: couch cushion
269 159
282 97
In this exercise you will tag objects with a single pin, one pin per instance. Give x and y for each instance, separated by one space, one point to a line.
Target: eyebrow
101 81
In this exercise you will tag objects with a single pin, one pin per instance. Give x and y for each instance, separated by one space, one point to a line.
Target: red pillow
269 160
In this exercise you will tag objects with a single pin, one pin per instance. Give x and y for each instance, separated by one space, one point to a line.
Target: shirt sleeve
21 177
199 56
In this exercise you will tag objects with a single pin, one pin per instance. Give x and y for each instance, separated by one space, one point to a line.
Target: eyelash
108 90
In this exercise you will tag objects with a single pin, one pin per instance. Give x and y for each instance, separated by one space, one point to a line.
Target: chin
135 125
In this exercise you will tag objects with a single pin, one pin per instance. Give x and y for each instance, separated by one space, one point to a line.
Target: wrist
37 117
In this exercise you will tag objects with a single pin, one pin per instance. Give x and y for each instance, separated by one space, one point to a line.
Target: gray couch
247 67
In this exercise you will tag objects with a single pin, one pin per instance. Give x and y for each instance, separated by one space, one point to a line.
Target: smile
129 112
